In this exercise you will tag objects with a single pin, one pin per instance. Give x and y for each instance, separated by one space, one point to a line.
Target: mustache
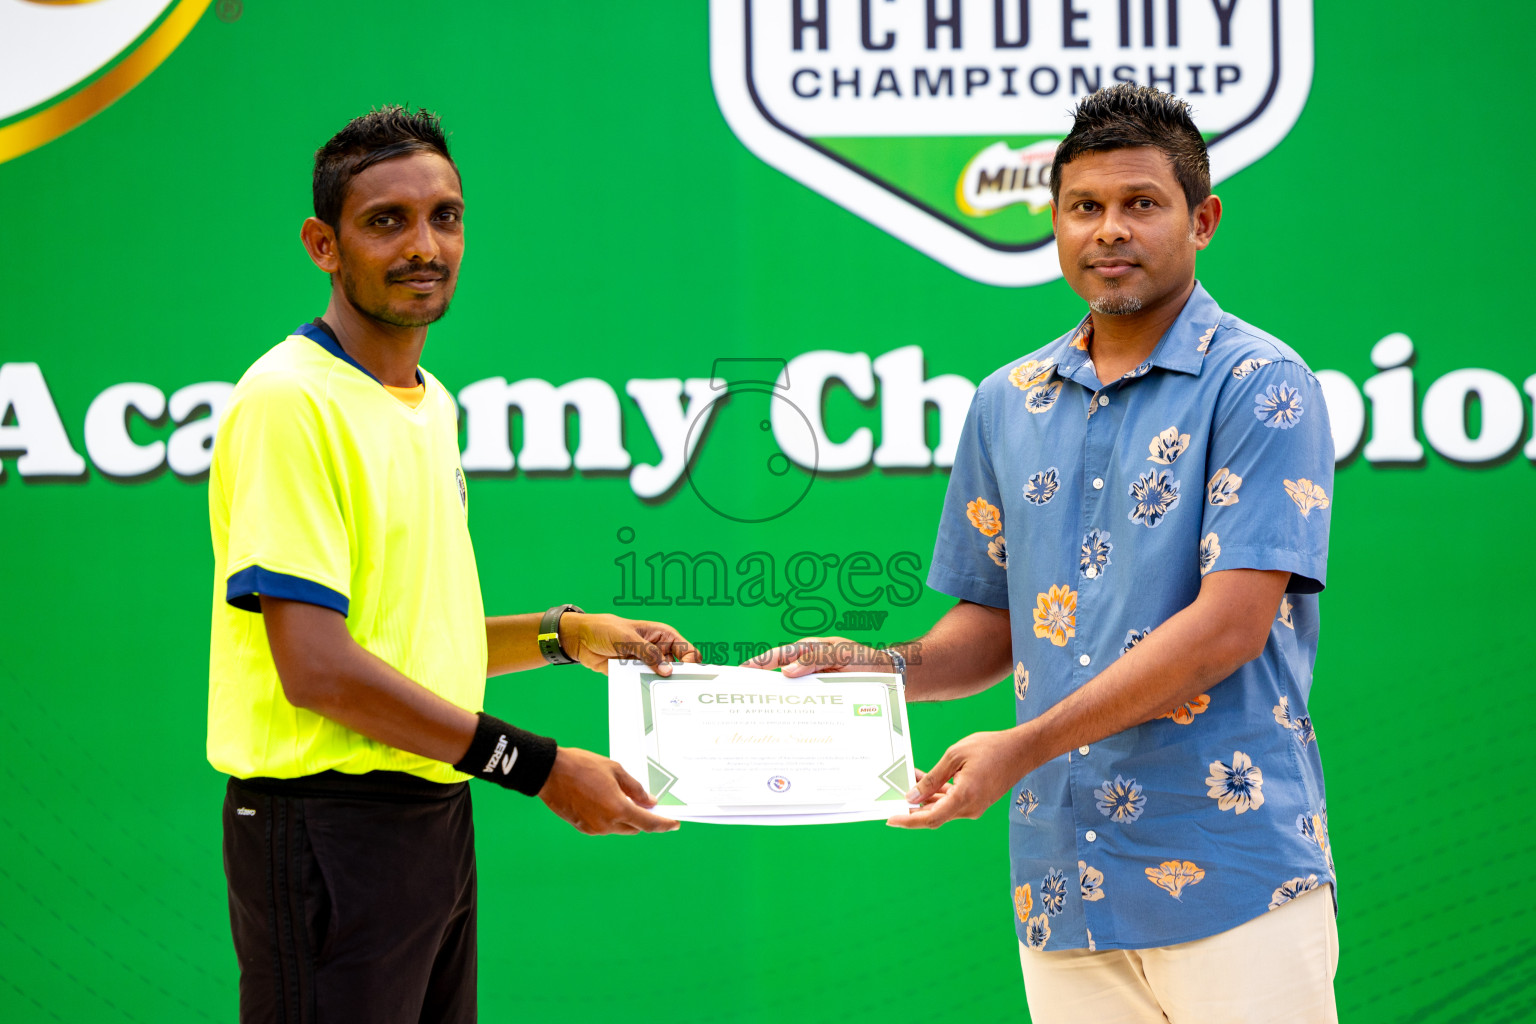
1111 253
397 274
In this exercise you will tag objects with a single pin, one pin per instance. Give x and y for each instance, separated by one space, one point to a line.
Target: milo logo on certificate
868 710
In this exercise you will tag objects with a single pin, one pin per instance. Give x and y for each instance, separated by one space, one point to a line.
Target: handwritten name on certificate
747 746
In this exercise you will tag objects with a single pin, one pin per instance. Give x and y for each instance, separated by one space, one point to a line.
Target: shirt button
1103 399
1083 659
1090 835
1091 572
1098 483
1083 751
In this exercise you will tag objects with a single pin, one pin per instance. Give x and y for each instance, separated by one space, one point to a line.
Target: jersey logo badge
936 121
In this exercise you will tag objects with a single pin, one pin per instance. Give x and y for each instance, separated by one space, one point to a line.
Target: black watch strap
549 635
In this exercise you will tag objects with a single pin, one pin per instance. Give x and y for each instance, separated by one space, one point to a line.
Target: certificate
747 746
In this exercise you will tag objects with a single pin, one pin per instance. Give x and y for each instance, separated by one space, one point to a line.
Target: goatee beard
1115 305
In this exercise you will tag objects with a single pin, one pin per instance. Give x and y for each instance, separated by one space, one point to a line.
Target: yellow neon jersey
327 489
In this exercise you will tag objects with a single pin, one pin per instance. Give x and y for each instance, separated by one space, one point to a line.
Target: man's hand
984 767
598 797
822 654
594 639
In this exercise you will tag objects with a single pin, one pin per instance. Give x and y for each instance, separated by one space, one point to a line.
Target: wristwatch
549 635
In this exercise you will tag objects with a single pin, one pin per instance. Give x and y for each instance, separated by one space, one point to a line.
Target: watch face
739 467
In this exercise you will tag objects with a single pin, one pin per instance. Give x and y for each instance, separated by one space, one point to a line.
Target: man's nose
421 243
1114 227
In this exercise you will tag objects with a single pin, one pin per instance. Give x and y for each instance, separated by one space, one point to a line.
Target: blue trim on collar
319 336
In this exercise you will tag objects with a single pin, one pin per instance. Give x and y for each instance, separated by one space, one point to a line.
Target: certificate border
661 780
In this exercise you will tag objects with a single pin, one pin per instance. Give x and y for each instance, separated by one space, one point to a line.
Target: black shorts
352 898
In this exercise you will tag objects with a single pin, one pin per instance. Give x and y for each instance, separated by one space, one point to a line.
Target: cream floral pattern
998 552
1056 615
1026 803
1279 406
1042 486
1288 891
1095 554
1043 397
1121 801
1246 367
1174 876
1053 892
1222 490
1285 613
1090 882
1210 550
1282 712
1307 495
1037 932
1205 339
1156 494
1020 681
1134 637
1237 787
1167 446
985 516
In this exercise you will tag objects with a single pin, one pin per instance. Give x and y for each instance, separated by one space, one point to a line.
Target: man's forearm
512 643
1191 652
322 669
967 651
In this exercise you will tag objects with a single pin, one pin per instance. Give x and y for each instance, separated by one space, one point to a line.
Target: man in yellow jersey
349 645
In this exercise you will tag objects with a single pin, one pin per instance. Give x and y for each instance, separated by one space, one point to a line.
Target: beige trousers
1278 968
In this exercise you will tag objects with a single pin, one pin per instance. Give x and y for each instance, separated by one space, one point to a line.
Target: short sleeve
1269 497
970 556
287 536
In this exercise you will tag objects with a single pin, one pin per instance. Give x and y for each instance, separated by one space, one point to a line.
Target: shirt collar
1181 349
321 334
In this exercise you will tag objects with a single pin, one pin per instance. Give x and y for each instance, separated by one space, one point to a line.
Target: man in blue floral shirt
1137 529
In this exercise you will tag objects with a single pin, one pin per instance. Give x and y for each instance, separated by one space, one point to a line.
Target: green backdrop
619 230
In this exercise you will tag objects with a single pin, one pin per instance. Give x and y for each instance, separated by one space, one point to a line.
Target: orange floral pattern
1023 902
1056 615
1031 374
985 516
1174 875
1185 713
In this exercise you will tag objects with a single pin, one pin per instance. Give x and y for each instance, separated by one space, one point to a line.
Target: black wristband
508 756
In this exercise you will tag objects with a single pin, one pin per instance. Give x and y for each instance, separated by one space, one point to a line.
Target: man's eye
1087 206
384 221
449 216
1144 204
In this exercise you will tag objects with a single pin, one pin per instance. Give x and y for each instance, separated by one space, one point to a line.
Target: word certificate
747 746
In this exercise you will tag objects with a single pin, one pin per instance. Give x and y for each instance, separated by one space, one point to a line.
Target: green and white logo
936 120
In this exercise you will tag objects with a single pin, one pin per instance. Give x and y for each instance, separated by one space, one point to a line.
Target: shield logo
936 120
64 61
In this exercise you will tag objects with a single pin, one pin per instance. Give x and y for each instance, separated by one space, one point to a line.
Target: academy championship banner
733 271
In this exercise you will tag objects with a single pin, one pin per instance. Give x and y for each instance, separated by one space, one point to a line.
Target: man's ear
1203 224
319 240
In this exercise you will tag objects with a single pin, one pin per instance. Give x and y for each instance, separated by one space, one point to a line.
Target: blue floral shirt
1091 512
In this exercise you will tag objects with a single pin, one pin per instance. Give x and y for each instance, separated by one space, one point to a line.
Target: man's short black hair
381 134
1125 116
